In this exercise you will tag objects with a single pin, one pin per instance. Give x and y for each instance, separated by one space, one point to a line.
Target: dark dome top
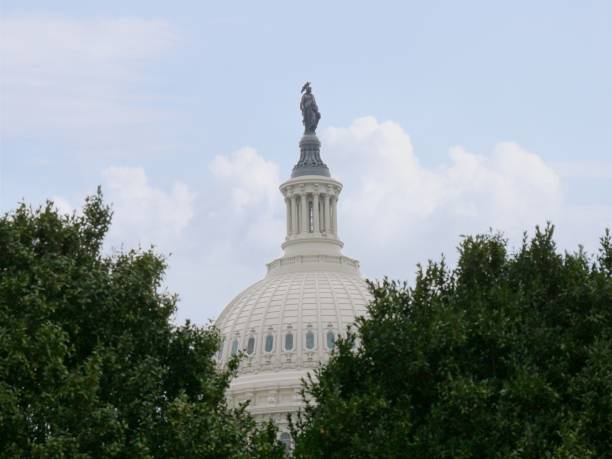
310 162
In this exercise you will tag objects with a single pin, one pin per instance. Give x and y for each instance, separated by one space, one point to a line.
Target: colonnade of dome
313 212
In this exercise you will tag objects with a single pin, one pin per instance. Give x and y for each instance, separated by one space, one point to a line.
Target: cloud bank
144 214
394 211
398 212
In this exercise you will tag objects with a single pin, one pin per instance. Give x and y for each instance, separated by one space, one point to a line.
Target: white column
305 219
315 211
335 215
326 214
294 216
288 210
322 221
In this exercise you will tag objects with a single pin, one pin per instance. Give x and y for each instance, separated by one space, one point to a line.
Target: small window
289 342
331 339
285 439
310 340
235 347
220 351
269 343
251 345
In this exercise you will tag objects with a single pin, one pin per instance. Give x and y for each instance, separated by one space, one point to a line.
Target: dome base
312 245
305 263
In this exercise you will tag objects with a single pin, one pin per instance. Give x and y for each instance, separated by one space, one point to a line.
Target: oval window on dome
285 439
289 342
220 351
235 347
251 345
331 339
269 343
310 340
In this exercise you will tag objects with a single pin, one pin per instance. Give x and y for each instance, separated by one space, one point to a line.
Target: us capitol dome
287 323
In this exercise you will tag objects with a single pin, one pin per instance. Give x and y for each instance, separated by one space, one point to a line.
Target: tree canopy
507 355
91 364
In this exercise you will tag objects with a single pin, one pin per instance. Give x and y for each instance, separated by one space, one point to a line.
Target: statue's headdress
306 86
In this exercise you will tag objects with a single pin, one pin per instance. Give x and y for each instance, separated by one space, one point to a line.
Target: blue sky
441 118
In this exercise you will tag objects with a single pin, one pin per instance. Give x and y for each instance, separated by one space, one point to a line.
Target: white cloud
219 239
145 214
253 181
395 212
386 186
237 228
62 205
247 202
60 75
508 189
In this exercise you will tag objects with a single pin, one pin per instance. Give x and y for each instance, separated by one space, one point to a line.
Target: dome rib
365 296
350 299
228 310
300 314
245 327
338 317
279 336
258 339
319 339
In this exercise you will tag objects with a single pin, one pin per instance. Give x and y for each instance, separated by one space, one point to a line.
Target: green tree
508 355
91 364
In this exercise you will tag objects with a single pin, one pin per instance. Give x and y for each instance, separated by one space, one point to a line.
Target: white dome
311 298
287 323
291 302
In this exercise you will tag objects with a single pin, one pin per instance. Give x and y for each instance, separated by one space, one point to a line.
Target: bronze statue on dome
310 110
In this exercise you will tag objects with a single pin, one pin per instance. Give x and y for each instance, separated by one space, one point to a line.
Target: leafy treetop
91 364
508 355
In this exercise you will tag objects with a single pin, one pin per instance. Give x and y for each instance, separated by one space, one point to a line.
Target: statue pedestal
310 158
